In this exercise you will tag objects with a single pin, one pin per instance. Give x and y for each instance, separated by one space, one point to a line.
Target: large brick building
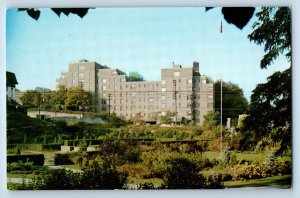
182 92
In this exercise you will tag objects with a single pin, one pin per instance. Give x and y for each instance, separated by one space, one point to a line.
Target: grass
14 186
154 181
28 176
244 156
283 181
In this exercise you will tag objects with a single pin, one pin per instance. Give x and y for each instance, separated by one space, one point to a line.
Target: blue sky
133 39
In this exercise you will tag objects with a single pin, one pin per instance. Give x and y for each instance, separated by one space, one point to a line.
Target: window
73 81
116 87
190 81
81 67
163 82
210 97
163 97
176 74
132 86
151 99
204 81
104 88
81 82
73 74
163 113
81 74
163 89
104 80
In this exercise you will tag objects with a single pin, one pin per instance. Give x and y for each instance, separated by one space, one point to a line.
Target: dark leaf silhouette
239 16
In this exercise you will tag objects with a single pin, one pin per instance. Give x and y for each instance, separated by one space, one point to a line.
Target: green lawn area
283 181
244 156
154 181
13 175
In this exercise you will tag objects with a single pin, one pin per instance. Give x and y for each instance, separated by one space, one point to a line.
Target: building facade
11 82
182 93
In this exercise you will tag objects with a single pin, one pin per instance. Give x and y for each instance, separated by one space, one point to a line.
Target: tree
135 76
212 119
233 100
59 97
77 99
269 114
273 30
30 98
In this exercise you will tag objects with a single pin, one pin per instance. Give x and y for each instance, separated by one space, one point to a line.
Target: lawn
244 156
283 181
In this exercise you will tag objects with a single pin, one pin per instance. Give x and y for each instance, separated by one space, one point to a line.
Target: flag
221 28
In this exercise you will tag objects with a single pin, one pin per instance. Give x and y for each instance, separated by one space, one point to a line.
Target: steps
49 159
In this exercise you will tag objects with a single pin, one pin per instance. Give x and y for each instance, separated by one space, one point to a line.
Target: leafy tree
31 98
233 99
212 119
273 30
59 97
270 108
135 76
77 99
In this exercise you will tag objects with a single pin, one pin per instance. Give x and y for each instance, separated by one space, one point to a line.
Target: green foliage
233 99
184 174
119 152
270 109
63 158
135 76
270 112
273 30
77 99
212 119
95 176
31 98
36 159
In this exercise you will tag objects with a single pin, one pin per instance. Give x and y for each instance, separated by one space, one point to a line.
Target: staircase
49 159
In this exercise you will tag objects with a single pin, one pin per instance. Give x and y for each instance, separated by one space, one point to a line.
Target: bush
183 174
95 176
36 159
63 158
23 166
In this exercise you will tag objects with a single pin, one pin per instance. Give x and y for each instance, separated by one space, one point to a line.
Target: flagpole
221 124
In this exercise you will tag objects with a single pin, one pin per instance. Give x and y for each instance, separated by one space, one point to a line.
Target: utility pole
109 98
81 91
39 105
175 98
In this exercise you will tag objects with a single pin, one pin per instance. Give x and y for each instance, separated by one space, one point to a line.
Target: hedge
35 147
37 159
66 158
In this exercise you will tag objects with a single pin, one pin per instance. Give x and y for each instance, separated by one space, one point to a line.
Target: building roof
11 79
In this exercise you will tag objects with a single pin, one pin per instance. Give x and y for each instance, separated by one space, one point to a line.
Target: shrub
95 176
184 174
36 159
63 158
